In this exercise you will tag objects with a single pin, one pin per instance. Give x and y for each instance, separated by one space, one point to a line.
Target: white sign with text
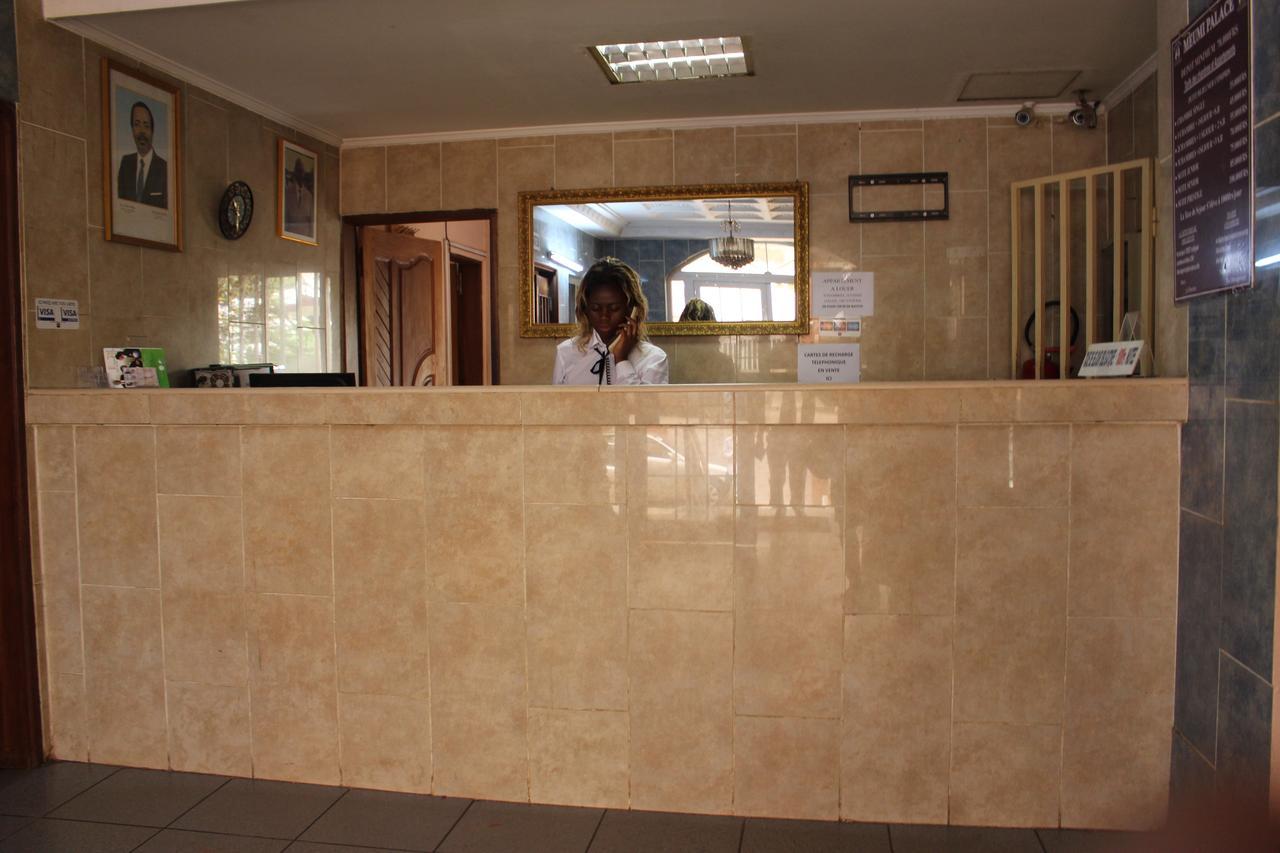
1117 358
829 363
57 314
843 294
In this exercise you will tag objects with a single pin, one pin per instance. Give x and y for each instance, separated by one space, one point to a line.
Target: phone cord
602 369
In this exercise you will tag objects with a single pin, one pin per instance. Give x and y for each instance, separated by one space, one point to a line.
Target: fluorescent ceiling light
568 263
679 59
1270 260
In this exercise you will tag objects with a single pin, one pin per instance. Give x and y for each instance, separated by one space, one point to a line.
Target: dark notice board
1212 154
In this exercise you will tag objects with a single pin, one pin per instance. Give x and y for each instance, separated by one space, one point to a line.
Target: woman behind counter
611 347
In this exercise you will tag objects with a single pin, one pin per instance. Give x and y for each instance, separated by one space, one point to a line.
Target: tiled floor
85 808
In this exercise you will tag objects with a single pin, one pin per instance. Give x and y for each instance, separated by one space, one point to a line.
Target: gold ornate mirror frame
799 193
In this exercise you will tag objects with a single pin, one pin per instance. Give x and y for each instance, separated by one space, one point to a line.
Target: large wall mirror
720 259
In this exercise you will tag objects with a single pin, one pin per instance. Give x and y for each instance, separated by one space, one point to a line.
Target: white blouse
646 365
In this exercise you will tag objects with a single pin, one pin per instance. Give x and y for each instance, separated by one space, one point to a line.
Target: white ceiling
371 68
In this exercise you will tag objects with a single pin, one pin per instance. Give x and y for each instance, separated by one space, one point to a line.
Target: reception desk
922 603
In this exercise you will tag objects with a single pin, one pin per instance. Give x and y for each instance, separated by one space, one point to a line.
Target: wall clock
235 212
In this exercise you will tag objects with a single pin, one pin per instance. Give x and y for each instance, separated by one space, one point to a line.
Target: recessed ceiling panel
1017 85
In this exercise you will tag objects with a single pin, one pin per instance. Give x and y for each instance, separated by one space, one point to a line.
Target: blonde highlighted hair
604 272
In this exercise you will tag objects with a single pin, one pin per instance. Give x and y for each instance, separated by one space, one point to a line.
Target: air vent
1016 85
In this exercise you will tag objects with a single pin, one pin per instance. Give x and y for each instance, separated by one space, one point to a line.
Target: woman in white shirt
611 347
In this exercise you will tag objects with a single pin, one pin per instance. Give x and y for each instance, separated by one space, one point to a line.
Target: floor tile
316 847
1086 840
662 831
40 791
183 841
490 827
263 809
47 836
379 818
141 797
962 839
10 825
804 836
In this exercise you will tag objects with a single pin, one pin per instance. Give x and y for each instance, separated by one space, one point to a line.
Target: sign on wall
1212 155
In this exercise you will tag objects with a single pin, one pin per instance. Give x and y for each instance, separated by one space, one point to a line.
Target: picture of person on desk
144 175
611 346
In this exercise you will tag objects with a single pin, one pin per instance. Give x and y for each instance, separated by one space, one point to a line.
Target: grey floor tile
37 792
632 832
490 827
383 819
260 808
317 847
10 825
1086 840
141 797
804 836
71 836
962 839
185 841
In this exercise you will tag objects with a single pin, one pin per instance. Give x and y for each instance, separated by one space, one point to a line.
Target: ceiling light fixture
731 250
568 263
678 59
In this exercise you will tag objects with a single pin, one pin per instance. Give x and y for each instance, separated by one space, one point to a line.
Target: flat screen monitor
302 380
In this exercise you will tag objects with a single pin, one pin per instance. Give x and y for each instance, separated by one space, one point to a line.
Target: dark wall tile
1207 340
1266 233
8 54
1195 707
1203 437
653 279
1253 342
1249 541
1244 736
1266 57
1190 777
1196 8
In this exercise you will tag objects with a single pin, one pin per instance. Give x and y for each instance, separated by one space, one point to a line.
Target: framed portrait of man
141 158
296 193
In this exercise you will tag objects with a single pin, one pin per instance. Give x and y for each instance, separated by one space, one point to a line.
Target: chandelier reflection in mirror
731 250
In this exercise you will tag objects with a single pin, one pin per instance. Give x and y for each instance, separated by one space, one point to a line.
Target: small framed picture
141 158
296 193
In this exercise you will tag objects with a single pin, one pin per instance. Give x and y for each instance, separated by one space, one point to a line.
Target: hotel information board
1212 159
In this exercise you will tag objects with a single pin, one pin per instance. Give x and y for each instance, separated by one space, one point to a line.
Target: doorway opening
419 295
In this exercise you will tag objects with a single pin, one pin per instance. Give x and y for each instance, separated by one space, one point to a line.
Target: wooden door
404 327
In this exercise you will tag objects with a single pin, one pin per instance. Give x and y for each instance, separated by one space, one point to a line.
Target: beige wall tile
681 711
364 180
60 586
291 641
126 719
478 695
835 243
891 476
519 169
287 524
896 735
1009 668
893 339
789 466
765 158
380 597
115 276
122 632
55 98
66 728
55 242
787 663
680 484
671 407
209 729
956 260
886 151
1012 562
386 742
1003 775
55 458
377 462
1077 148
567 405
699 360
959 148
643 162
789 559
1115 743
575 465
1014 465
413 177
955 348
201 545
198 460
584 160
680 575
577 657
828 155
704 156
116 477
295 733
1114 572
575 556
470 175
204 637
786 768
579 758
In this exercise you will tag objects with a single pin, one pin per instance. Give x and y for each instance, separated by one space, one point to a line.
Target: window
289 320
762 290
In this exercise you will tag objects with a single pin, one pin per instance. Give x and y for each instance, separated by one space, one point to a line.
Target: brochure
135 367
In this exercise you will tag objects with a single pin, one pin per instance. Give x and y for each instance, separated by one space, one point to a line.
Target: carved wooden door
404 333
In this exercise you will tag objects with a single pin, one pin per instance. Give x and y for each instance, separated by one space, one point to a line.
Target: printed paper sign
829 363
1118 358
843 294
57 314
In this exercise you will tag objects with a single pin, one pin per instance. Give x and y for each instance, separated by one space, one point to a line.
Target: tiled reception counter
919 603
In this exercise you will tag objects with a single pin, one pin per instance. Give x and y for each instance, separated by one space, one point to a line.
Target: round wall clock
236 210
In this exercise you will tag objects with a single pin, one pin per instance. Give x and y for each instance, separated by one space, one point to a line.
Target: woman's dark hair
698 311
609 271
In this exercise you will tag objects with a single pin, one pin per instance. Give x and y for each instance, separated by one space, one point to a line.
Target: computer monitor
302 380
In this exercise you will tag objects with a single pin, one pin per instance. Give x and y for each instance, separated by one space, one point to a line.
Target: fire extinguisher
1050 368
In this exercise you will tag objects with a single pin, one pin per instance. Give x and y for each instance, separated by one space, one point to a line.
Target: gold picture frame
297 179
797 191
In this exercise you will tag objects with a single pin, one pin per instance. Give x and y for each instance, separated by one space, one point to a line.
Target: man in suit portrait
144 176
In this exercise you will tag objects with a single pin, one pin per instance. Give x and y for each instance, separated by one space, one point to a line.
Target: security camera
1085 114
1024 116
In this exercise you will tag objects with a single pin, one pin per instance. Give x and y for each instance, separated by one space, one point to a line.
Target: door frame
351 264
21 741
